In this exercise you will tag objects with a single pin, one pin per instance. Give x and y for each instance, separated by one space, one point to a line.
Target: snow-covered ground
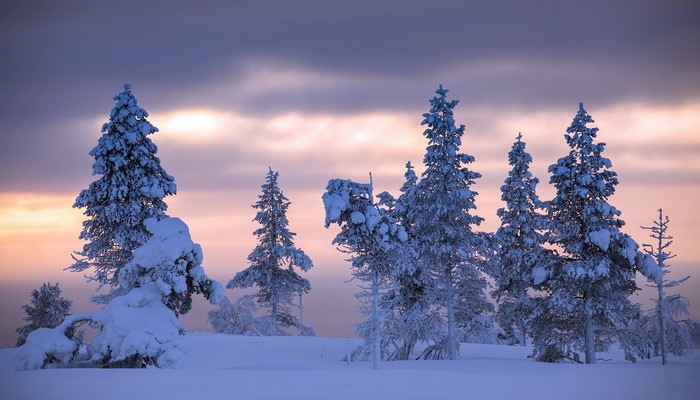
239 367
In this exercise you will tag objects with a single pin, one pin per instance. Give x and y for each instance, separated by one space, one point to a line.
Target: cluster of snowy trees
145 258
150 266
563 270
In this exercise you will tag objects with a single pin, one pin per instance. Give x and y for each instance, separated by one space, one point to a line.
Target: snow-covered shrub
47 310
135 330
235 318
171 261
141 327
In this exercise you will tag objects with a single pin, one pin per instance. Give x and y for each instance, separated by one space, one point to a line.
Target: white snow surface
219 366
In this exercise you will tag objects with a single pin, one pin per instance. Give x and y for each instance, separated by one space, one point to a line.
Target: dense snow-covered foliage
666 333
141 327
47 310
441 212
130 190
587 290
520 244
273 260
171 261
374 239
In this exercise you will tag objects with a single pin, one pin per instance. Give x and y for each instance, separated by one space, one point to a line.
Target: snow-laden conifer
373 239
442 214
588 288
47 310
519 244
273 260
130 190
667 334
408 303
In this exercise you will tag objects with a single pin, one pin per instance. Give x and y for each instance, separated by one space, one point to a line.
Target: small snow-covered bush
235 318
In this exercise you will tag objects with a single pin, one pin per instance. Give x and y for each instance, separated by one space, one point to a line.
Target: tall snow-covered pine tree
130 190
442 215
273 260
588 288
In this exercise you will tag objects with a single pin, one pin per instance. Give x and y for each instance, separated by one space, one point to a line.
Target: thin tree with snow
442 213
373 239
519 244
130 190
273 260
668 307
47 310
587 304
408 302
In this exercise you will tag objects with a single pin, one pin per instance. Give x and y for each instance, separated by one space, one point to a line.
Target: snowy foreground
226 366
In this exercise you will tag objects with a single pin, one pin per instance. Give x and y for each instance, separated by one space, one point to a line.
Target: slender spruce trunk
451 323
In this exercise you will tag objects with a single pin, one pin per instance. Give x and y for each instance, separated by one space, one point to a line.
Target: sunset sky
326 89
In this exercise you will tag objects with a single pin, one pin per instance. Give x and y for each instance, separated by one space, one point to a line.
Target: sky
333 89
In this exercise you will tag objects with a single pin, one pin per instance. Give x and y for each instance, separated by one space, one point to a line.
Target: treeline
563 270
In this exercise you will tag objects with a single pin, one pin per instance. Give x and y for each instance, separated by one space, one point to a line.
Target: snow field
219 366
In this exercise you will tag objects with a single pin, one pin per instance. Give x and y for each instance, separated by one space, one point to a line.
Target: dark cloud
65 60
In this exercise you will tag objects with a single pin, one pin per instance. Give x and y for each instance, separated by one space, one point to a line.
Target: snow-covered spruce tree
273 260
587 302
667 334
373 239
407 302
519 245
441 212
130 190
47 310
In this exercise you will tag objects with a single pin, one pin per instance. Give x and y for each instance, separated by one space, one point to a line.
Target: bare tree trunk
662 323
376 348
451 323
590 336
274 319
